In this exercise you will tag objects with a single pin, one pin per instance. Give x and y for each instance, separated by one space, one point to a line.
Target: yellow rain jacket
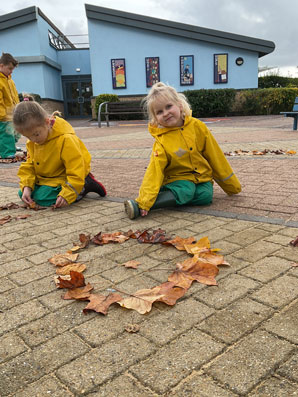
187 153
62 160
8 97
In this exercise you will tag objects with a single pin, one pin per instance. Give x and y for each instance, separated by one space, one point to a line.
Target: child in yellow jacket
185 158
8 99
57 170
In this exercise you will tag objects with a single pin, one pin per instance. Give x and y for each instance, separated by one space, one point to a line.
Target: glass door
77 93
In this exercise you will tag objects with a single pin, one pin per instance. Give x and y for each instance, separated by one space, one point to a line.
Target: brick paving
236 339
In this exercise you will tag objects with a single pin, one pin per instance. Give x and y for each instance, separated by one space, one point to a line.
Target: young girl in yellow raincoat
185 158
57 170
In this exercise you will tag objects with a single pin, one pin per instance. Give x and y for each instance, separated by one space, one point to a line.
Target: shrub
36 97
273 81
216 102
104 98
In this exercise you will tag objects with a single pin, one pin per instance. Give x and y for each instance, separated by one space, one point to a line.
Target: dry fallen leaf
171 293
6 219
294 242
63 259
9 206
101 303
76 280
79 293
77 267
105 238
179 242
131 264
24 216
142 300
154 237
199 246
84 242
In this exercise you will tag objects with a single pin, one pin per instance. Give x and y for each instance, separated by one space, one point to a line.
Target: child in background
57 170
185 158
8 99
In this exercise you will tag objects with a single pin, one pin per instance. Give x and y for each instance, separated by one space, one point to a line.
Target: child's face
38 134
168 113
6 69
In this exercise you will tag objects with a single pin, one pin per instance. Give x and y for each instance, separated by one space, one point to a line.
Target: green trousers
189 193
7 140
44 195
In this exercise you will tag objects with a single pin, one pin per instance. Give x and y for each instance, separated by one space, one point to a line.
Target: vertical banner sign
186 70
220 68
152 71
118 73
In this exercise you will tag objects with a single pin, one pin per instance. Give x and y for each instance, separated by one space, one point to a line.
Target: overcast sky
274 20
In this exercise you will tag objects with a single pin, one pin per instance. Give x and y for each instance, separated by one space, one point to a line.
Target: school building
127 53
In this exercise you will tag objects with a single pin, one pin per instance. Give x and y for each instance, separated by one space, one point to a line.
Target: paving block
256 251
248 236
176 360
11 345
243 366
236 320
285 323
167 325
33 273
102 363
290 368
275 387
46 386
29 367
278 292
228 290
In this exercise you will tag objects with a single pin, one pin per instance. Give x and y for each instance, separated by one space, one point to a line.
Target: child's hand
26 196
60 202
144 212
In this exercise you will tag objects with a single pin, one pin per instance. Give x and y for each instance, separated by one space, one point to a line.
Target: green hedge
104 98
274 81
210 102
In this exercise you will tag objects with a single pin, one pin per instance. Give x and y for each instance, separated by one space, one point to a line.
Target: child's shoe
131 208
92 185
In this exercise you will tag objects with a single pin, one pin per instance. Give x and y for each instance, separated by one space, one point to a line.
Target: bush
274 81
205 103
104 98
36 97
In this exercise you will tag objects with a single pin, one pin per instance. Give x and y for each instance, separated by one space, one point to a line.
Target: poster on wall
186 70
118 73
220 68
152 71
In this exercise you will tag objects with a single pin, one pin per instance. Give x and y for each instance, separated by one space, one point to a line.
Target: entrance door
77 93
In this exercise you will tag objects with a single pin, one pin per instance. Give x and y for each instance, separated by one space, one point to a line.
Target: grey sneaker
131 208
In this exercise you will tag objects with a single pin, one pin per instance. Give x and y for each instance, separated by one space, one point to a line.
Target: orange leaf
24 216
76 280
132 264
6 219
199 246
211 257
101 303
171 293
105 238
84 242
77 267
63 259
179 242
79 293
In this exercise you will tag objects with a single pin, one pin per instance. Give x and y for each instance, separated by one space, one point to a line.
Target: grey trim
39 59
68 184
225 179
262 47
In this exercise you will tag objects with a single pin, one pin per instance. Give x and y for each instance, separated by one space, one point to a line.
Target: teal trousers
44 195
7 140
189 193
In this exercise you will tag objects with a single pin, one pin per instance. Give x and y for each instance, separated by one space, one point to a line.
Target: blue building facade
127 53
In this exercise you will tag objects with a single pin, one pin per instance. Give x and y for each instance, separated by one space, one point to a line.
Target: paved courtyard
238 338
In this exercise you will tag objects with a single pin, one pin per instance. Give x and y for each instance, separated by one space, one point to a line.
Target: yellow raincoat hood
188 153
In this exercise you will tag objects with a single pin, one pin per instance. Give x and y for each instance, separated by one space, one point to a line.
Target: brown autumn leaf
194 269
6 219
171 293
84 242
212 257
77 267
9 206
63 259
131 264
101 303
199 246
106 238
22 216
142 300
79 293
294 242
76 280
154 237
179 242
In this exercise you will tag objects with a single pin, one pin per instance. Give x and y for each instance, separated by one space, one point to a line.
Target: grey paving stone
11 267
285 323
33 273
6 284
181 317
256 251
247 236
29 367
266 269
46 386
243 366
123 385
228 290
239 225
134 250
53 324
21 314
173 362
102 363
199 385
27 241
289 253
275 387
11 345
290 368
233 322
208 224
278 292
